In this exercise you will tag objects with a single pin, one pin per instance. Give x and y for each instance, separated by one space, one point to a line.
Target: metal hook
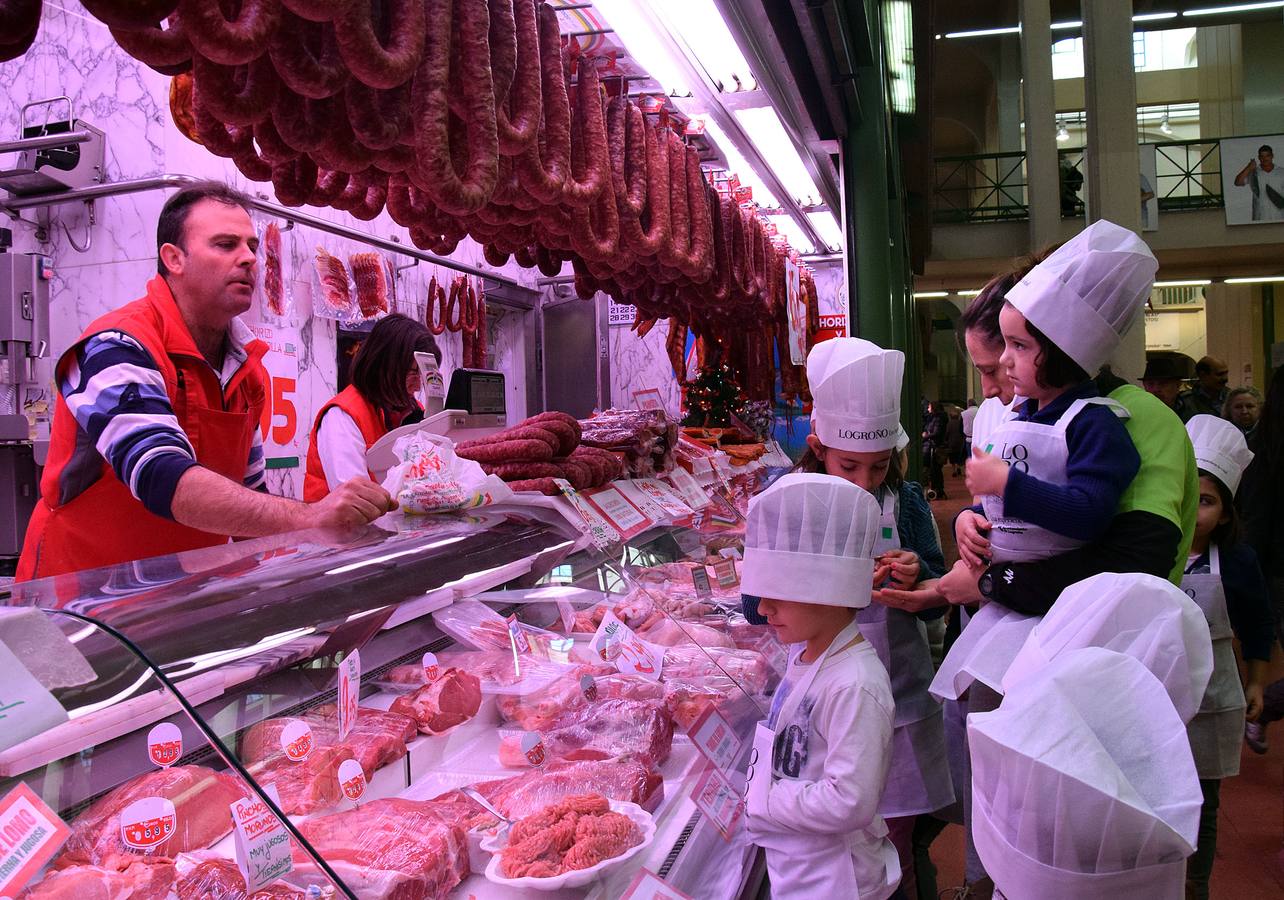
89 231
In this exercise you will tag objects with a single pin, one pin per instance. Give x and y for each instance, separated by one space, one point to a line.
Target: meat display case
540 648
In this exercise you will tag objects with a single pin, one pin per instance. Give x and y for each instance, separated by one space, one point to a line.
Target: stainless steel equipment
57 154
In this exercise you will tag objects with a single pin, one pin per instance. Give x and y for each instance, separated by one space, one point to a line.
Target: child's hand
986 474
903 568
959 584
970 532
923 596
1253 696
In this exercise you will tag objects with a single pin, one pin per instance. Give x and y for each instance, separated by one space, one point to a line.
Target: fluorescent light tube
1239 7
984 32
1265 279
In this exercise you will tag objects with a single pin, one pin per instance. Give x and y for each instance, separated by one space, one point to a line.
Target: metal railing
984 187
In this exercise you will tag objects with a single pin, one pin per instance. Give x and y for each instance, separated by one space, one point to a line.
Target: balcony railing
987 187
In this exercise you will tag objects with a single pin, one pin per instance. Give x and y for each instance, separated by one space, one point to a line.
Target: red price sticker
352 779
716 739
296 740
533 748
164 744
589 688
432 670
147 823
717 799
30 835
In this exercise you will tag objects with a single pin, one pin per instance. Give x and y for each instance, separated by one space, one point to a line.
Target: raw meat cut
273 283
536 710
372 287
494 668
747 668
305 786
201 798
394 849
576 833
377 738
220 879
126 876
332 277
669 633
439 706
641 730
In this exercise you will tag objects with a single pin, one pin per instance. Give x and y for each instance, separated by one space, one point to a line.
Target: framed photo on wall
1253 179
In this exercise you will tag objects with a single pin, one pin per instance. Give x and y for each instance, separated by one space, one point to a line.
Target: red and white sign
617 643
725 570
352 779
30 835
595 525
521 644
533 748
280 422
796 308
717 799
349 692
716 739
296 740
146 824
164 744
262 845
685 483
620 514
432 670
649 886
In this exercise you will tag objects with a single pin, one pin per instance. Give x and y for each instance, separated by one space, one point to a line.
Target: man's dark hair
386 357
1054 367
172 225
1267 148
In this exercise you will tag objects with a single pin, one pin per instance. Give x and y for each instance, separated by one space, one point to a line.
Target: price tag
517 635
725 571
432 671
642 500
588 686
622 515
716 739
647 885
717 799
689 488
700 578
349 692
262 845
296 740
147 823
663 496
617 643
595 526
352 779
26 708
30 835
164 744
533 748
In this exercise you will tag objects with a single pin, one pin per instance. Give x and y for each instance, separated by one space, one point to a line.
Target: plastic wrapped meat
474 624
126 875
494 668
536 710
370 282
646 437
201 799
640 730
674 578
332 280
439 706
220 879
305 786
390 849
747 668
576 833
671 634
377 738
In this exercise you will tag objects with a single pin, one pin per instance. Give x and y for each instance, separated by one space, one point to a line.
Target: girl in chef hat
820 760
856 390
1223 577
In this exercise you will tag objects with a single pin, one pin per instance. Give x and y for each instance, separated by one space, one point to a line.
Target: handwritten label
689 488
647 885
352 779
533 748
349 692
700 578
147 823
622 515
164 744
432 670
595 526
717 799
296 740
26 708
616 643
716 739
725 570
261 841
589 688
30 835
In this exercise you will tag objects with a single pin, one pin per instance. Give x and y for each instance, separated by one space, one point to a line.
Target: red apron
369 421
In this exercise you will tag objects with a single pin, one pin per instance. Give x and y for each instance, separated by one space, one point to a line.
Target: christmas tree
711 398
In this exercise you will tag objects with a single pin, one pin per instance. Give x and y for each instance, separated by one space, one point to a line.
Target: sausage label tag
296 740
689 488
147 823
618 644
349 692
164 744
352 779
262 844
30 835
432 671
533 748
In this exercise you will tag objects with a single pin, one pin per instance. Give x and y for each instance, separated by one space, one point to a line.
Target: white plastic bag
430 478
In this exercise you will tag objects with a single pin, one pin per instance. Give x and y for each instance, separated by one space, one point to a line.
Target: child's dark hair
810 463
1054 368
1227 534
982 314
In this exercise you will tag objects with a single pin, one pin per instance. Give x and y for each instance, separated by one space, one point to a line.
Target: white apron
807 865
919 778
1218 728
992 638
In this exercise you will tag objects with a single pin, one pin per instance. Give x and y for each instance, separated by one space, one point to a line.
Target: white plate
577 877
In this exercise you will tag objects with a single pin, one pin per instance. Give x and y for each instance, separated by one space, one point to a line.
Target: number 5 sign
280 422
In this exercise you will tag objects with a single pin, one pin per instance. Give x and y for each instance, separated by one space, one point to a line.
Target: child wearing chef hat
1223 577
820 760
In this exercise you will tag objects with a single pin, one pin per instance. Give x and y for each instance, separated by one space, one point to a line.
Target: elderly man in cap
1163 378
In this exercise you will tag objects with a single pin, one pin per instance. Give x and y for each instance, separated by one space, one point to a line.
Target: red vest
369 421
105 525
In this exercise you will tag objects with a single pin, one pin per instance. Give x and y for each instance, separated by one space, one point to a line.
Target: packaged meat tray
124 875
498 672
641 730
747 668
474 624
442 704
205 876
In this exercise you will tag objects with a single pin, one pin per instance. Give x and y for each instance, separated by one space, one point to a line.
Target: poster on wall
1252 180
1149 188
796 305
280 424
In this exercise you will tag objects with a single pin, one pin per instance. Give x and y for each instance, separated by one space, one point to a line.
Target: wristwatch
985 584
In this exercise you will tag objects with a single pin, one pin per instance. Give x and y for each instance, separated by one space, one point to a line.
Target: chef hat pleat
1087 294
1075 797
1140 615
1220 449
856 394
811 538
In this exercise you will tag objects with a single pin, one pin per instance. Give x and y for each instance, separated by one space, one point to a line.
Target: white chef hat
856 394
1088 292
1220 449
1083 783
811 538
1145 617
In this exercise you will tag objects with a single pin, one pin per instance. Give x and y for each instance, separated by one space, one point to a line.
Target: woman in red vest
380 398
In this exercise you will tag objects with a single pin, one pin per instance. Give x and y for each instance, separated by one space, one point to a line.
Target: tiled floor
1250 846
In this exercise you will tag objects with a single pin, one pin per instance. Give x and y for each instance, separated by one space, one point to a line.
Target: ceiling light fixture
1063 133
1265 279
710 41
1239 7
764 128
931 295
1062 26
826 225
984 32
1193 282
1154 17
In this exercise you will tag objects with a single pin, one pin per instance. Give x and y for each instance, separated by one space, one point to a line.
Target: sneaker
1255 737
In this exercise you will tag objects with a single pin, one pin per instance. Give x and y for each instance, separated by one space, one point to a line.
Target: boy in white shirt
814 809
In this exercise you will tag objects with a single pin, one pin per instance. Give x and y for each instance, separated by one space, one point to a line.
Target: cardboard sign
296 740
349 692
716 739
147 823
595 526
643 501
648 398
616 643
26 708
620 514
533 748
164 744
432 671
352 779
647 885
261 841
700 578
796 307
30 834
660 495
725 571
689 489
716 798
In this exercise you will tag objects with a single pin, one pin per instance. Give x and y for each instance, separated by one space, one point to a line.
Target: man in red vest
155 445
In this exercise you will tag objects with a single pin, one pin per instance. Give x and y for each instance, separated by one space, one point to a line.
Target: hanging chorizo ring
306 56
230 41
129 13
368 59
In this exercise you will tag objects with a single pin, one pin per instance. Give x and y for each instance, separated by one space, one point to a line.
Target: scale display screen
477 392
